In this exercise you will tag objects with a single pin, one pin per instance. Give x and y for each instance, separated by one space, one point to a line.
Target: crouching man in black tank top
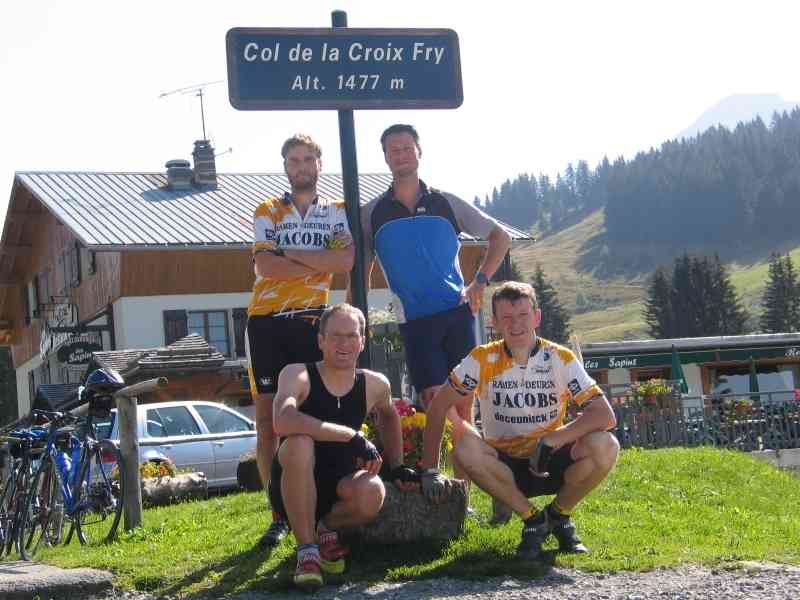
326 476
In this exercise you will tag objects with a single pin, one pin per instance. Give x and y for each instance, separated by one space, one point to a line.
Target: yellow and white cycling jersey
278 224
521 403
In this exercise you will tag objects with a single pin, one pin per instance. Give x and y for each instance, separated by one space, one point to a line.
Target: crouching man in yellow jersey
524 384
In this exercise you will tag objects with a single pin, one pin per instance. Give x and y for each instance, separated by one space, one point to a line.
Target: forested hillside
736 192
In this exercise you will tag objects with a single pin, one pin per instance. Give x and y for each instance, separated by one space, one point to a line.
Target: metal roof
699 343
137 210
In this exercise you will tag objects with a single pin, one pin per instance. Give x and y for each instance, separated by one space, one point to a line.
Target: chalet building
102 262
711 365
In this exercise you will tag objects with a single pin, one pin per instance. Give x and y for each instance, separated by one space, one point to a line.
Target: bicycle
25 448
87 473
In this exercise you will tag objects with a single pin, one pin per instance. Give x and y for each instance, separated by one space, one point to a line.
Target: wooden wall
146 273
47 239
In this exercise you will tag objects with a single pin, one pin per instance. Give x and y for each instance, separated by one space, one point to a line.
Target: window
171 421
174 325
771 378
239 327
221 421
42 293
213 326
652 373
72 265
88 263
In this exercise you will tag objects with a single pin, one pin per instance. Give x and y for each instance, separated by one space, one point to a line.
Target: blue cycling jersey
418 250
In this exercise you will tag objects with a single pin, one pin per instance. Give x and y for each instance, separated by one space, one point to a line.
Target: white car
195 435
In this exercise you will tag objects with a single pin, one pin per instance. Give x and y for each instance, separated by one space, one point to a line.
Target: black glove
540 459
363 448
403 474
435 486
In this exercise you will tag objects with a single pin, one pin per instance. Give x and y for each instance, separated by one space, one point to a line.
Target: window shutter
239 327
75 265
175 325
37 297
26 304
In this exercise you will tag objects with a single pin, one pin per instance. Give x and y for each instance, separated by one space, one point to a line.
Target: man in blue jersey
413 230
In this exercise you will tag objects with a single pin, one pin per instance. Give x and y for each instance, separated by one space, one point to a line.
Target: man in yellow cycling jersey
524 384
300 240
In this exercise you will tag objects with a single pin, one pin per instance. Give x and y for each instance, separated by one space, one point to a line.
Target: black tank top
349 410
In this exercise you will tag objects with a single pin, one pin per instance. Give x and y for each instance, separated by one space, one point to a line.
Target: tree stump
247 474
408 517
159 491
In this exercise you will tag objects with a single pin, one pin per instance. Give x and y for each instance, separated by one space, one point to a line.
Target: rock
247 474
158 491
408 516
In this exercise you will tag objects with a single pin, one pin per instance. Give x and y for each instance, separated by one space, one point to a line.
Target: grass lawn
659 508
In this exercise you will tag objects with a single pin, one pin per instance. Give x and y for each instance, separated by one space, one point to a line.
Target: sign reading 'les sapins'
77 353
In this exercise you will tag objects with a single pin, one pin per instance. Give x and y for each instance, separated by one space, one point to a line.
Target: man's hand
366 451
435 486
341 240
404 478
474 294
538 462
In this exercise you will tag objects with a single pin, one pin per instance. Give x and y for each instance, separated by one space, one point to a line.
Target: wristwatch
480 277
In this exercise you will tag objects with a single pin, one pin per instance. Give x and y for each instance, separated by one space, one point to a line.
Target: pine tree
793 289
781 299
773 319
555 319
658 306
731 317
698 300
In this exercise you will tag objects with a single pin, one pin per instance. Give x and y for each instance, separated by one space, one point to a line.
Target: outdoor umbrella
677 371
753 381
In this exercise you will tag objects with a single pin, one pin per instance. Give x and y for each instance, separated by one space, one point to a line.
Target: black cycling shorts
274 341
531 485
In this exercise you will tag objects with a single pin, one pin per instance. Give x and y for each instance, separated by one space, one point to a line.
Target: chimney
179 174
205 169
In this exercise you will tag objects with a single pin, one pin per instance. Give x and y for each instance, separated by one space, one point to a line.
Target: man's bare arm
280 267
293 389
330 260
388 419
446 397
499 243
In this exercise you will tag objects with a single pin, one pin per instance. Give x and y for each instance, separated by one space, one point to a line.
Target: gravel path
760 581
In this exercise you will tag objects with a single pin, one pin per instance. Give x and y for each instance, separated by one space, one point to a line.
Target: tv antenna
196 90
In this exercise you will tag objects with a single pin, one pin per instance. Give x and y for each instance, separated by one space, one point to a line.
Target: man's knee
297 452
603 448
469 450
367 497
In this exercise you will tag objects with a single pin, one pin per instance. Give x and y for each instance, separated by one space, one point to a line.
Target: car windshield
221 421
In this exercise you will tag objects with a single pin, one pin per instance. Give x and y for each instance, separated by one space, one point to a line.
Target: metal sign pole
344 69
347 143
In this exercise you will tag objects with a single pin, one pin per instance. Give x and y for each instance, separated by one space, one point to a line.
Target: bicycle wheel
35 525
100 495
5 516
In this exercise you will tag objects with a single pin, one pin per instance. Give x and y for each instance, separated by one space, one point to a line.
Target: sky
545 83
